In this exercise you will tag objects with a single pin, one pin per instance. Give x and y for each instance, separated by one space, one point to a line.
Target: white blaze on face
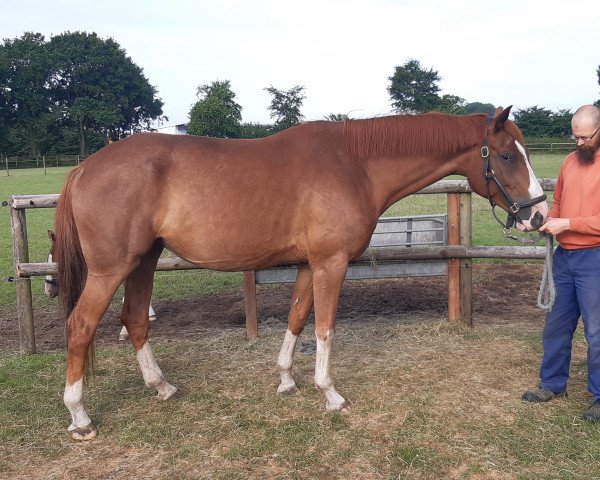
535 190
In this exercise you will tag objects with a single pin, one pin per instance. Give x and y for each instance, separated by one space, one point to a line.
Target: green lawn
185 283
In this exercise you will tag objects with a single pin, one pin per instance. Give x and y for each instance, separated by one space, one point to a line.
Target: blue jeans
577 280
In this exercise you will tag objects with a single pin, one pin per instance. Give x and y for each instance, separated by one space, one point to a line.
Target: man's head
586 132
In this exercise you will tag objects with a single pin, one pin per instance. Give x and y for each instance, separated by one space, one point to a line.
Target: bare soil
502 294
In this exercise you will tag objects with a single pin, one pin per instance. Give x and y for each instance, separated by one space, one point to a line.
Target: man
574 220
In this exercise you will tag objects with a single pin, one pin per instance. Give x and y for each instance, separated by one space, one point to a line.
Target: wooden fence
459 253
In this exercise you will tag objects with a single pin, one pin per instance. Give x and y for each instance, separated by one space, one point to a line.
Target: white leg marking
153 377
323 379
123 334
151 313
73 398
284 363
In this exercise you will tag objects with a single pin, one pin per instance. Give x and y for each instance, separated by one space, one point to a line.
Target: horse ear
51 236
500 118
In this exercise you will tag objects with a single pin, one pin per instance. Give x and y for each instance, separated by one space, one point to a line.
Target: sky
511 52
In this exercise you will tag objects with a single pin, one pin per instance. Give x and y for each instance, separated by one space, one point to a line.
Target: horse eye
507 157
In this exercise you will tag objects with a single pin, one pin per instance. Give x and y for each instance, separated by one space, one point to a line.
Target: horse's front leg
328 278
302 301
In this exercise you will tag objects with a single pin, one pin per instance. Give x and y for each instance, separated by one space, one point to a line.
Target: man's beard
585 155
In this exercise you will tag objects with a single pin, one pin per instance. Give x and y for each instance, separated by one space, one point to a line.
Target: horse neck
393 178
405 153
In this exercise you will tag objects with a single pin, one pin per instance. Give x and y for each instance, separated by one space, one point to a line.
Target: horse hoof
123 337
151 318
170 395
341 408
82 434
288 391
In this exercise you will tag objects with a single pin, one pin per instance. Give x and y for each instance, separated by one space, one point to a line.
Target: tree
414 89
98 88
285 106
542 122
478 107
255 130
25 70
216 114
451 104
337 117
561 123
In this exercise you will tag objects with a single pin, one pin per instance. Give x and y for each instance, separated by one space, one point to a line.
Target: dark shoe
592 414
542 395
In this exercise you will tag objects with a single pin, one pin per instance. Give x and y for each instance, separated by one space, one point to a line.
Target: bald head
585 125
586 115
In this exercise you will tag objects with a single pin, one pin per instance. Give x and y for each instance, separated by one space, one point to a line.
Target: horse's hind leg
134 316
302 301
124 334
81 327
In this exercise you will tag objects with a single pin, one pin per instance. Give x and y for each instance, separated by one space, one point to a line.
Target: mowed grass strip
428 402
187 283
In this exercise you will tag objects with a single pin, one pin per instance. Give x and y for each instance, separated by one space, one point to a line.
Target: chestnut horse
309 195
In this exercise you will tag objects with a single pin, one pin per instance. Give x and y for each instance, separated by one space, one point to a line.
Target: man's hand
554 226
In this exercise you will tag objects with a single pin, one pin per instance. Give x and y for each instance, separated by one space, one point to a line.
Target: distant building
180 129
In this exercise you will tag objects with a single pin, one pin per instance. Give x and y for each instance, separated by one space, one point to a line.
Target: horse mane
428 134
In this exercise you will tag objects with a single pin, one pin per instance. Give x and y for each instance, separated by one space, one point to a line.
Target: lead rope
547 293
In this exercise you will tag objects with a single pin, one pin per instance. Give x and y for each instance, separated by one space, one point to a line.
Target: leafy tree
216 114
99 89
285 106
337 117
561 123
414 89
451 104
534 121
255 130
542 122
478 107
24 97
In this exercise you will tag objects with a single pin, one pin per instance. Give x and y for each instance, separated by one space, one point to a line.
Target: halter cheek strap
490 176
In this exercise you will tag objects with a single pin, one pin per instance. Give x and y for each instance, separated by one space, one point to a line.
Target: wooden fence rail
459 252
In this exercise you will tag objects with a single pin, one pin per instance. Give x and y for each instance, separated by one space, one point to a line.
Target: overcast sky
519 52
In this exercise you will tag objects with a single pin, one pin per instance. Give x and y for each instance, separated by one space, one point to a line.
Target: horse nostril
537 220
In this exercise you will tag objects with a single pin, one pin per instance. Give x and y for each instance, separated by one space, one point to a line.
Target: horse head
50 284
503 174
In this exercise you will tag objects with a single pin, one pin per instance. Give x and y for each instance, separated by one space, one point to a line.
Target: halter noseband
490 175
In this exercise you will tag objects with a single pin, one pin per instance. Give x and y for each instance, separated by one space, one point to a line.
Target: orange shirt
577 197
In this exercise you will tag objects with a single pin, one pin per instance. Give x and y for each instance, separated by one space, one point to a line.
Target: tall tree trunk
82 145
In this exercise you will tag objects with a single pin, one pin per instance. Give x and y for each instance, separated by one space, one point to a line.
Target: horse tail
72 268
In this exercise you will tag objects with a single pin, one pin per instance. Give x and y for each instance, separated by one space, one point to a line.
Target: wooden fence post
23 285
466 264
250 304
453 201
460 270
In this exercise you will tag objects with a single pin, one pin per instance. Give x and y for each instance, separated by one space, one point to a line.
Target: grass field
427 403
184 283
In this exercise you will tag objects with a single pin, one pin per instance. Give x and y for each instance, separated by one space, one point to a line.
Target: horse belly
237 246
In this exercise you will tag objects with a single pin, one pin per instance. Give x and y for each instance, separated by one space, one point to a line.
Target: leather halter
490 176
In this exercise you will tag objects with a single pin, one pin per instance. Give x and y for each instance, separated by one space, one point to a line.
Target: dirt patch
502 294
